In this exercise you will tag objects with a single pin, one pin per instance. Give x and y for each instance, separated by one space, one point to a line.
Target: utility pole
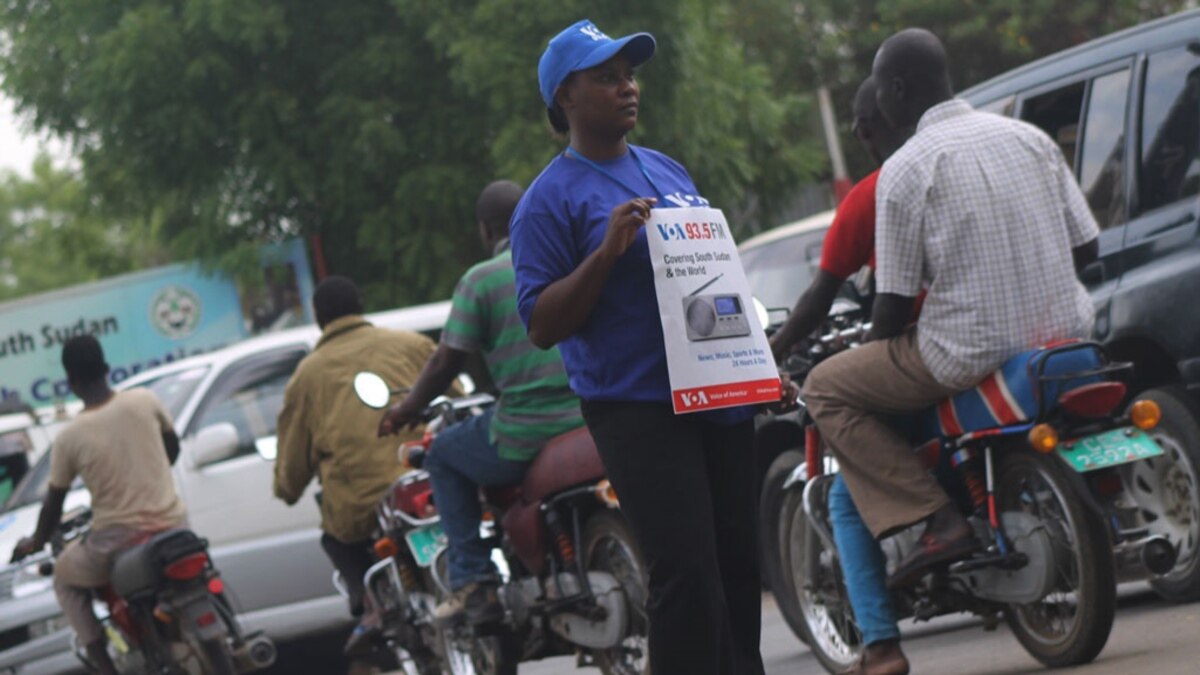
841 179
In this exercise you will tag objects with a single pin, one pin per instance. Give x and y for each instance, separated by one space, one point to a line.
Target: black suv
1125 109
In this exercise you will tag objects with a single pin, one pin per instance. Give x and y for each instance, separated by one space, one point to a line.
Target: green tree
833 42
55 233
370 123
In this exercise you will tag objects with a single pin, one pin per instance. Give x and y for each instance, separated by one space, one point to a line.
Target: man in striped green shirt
494 448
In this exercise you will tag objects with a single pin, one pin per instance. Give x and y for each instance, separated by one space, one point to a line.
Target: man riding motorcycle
495 448
122 445
323 431
984 214
849 245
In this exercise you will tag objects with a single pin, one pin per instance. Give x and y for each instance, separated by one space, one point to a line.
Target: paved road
1150 636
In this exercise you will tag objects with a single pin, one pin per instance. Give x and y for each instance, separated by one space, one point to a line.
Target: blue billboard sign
148 318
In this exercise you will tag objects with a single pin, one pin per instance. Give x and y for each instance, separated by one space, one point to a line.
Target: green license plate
1111 448
425 542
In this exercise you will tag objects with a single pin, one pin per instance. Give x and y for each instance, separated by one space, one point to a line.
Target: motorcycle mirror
371 390
843 306
268 448
760 310
467 383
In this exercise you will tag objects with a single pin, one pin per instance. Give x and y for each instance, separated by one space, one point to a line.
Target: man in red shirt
850 244
850 241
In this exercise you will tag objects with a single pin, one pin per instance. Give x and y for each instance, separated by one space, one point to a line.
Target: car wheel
1166 490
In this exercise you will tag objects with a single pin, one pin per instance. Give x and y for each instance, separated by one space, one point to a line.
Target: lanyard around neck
609 175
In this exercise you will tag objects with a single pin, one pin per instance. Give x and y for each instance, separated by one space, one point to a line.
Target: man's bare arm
1085 254
48 521
171 443
890 315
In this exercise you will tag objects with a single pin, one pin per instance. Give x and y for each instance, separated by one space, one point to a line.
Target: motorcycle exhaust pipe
1158 555
1145 555
256 653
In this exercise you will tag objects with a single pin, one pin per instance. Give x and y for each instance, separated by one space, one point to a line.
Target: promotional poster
717 352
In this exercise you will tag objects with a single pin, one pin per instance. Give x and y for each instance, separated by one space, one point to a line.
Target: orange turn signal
1043 438
386 548
1145 414
606 494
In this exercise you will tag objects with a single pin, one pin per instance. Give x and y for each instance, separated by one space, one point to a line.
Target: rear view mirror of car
213 444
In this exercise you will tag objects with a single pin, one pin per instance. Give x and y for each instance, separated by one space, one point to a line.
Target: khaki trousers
848 396
87 565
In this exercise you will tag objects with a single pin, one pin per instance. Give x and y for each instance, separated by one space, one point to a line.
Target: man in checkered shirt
983 213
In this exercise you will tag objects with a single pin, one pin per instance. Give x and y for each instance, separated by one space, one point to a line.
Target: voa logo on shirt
683 201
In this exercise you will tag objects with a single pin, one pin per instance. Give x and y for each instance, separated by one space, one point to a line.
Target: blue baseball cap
583 46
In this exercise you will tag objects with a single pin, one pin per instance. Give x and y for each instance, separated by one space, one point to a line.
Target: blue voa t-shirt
618 355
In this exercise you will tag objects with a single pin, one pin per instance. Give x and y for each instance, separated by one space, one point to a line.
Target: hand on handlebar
789 394
397 418
26 547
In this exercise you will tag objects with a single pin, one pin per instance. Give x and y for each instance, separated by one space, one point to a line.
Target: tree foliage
374 123
371 123
833 42
54 233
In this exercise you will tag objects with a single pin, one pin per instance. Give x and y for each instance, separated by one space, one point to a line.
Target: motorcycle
573 580
1037 457
167 610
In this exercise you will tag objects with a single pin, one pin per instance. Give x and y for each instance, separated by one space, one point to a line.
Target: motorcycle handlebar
462 402
823 346
75 520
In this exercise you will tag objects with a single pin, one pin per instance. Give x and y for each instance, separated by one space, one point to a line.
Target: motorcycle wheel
825 620
1167 491
608 546
771 528
1070 625
421 657
482 655
490 655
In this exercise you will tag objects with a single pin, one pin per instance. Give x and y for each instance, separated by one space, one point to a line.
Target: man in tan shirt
325 431
122 445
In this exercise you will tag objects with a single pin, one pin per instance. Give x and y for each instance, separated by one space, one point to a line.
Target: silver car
225 405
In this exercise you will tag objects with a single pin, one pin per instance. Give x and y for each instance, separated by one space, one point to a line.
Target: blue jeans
461 460
863 566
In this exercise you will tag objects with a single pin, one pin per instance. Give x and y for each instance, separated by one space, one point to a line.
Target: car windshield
174 389
779 271
32 488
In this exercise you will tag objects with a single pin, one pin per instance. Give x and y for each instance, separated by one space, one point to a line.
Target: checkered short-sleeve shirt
983 212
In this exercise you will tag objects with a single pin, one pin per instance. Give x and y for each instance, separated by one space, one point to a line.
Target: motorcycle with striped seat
1035 456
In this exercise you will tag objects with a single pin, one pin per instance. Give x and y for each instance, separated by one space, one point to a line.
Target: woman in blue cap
584 283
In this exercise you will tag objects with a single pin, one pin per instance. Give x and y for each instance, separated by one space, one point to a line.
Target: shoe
880 658
477 603
947 538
